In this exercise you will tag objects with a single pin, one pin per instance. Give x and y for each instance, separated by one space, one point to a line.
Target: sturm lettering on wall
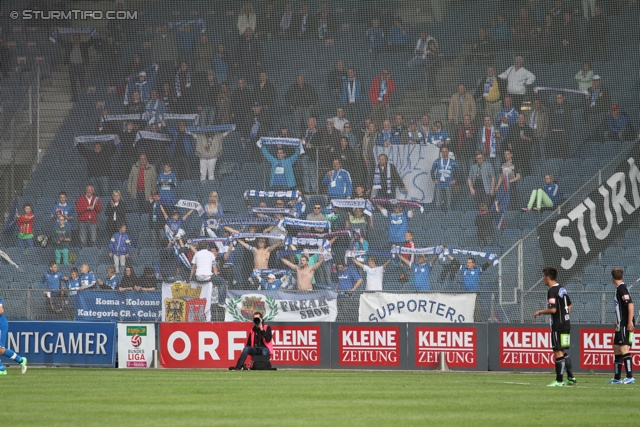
586 218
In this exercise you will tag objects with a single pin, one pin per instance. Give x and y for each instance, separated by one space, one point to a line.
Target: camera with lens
257 320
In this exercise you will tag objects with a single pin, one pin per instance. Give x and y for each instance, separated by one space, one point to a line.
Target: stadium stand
29 57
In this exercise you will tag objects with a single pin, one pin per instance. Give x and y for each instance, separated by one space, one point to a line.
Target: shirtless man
261 253
304 273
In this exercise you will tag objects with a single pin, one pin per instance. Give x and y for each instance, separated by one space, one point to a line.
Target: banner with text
219 344
115 306
581 232
64 343
413 163
186 302
276 306
136 343
417 308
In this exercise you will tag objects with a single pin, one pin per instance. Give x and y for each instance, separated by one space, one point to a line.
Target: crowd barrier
326 345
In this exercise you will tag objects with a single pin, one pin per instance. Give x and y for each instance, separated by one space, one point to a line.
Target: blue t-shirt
65 210
51 281
166 189
398 225
347 279
470 278
4 325
87 279
274 286
279 178
112 282
73 285
421 276
174 224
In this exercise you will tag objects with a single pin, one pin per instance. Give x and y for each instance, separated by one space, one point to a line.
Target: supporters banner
136 343
186 302
91 344
413 163
114 306
416 308
581 232
276 306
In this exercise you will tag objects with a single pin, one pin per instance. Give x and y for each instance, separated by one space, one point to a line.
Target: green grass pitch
112 397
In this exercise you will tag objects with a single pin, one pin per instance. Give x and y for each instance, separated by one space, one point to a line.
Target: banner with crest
278 306
186 302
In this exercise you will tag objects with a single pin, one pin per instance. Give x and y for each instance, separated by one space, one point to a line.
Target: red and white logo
296 345
458 344
525 348
369 345
136 340
596 349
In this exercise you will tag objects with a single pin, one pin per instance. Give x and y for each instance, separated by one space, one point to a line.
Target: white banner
417 308
413 163
276 306
186 302
136 343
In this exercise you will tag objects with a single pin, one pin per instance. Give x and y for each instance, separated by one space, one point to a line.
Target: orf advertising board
464 346
218 345
525 347
136 343
64 343
370 346
596 348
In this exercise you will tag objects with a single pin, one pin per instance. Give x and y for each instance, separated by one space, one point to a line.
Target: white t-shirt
374 277
204 261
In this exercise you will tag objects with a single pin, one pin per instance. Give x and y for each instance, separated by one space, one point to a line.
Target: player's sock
567 363
617 366
559 368
12 355
626 359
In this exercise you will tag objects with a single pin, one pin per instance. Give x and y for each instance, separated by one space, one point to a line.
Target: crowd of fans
487 144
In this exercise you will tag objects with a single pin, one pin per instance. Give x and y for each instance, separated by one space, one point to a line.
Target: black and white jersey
558 298
621 303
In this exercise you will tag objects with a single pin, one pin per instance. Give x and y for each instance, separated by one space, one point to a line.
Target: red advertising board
218 345
525 347
369 345
458 344
596 349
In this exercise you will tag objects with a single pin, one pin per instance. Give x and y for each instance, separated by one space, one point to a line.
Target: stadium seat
592 275
574 287
591 313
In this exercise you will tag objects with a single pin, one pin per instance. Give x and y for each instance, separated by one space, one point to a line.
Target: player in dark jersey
4 329
559 307
625 325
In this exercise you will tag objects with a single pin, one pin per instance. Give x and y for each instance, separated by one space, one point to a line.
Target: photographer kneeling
258 342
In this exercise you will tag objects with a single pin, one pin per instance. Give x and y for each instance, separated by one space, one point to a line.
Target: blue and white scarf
363 204
143 134
215 128
495 260
401 250
223 240
291 142
232 222
275 211
170 116
97 138
492 141
258 236
559 89
179 84
307 241
71 30
329 235
266 271
123 117
488 84
291 194
392 202
303 223
377 183
187 204
173 25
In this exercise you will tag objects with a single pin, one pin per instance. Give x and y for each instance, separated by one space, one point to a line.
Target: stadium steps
55 103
